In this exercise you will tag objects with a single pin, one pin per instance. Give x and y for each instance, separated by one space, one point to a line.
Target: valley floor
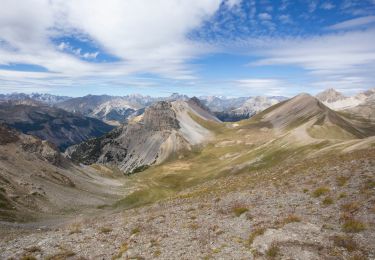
318 208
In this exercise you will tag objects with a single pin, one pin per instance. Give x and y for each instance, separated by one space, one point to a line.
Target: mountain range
115 110
165 129
58 126
297 176
337 101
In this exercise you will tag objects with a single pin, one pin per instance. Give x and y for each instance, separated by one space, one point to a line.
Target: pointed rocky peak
160 116
304 97
196 101
177 96
202 110
294 111
330 95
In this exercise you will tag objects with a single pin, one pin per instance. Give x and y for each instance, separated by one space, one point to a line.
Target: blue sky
195 47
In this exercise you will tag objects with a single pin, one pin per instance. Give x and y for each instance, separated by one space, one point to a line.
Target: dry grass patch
352 225
75 228
327 201
123 248
346 242
351 207
289 219
28 257
61 255
194 226
320 191
157 253
358 256
273 251
239 210
342 180
135 230
256 232
33 249
105 230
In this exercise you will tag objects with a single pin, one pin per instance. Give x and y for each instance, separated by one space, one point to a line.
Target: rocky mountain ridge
56 125
165 129
40 97
337 101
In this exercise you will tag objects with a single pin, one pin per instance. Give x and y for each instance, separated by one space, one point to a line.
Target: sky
196 47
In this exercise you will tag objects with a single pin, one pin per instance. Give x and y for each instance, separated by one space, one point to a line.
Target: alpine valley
178 177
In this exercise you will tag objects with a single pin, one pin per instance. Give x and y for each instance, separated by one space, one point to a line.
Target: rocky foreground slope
321 208
164 130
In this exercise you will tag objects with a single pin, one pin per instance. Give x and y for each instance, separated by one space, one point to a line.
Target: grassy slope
245 149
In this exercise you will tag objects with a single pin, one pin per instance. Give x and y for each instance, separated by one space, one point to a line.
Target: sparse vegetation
33 249
190 204
61 255
238 210
351 207
123 248
28 257
256 232
346 242
320 191
327 201
75 228
273 251
194 226
289 219
353 226
157 253
135 230
342 180
105 230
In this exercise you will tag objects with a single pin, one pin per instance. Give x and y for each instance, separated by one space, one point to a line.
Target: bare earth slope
36 180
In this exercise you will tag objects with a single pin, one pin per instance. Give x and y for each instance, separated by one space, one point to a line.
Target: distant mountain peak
330 95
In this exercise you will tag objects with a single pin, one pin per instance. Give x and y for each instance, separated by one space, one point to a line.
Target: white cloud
146 36
284 5
322 54
354 23
262 86
232 3
327 6
265 16
335 57
258 83
313 4
285 19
